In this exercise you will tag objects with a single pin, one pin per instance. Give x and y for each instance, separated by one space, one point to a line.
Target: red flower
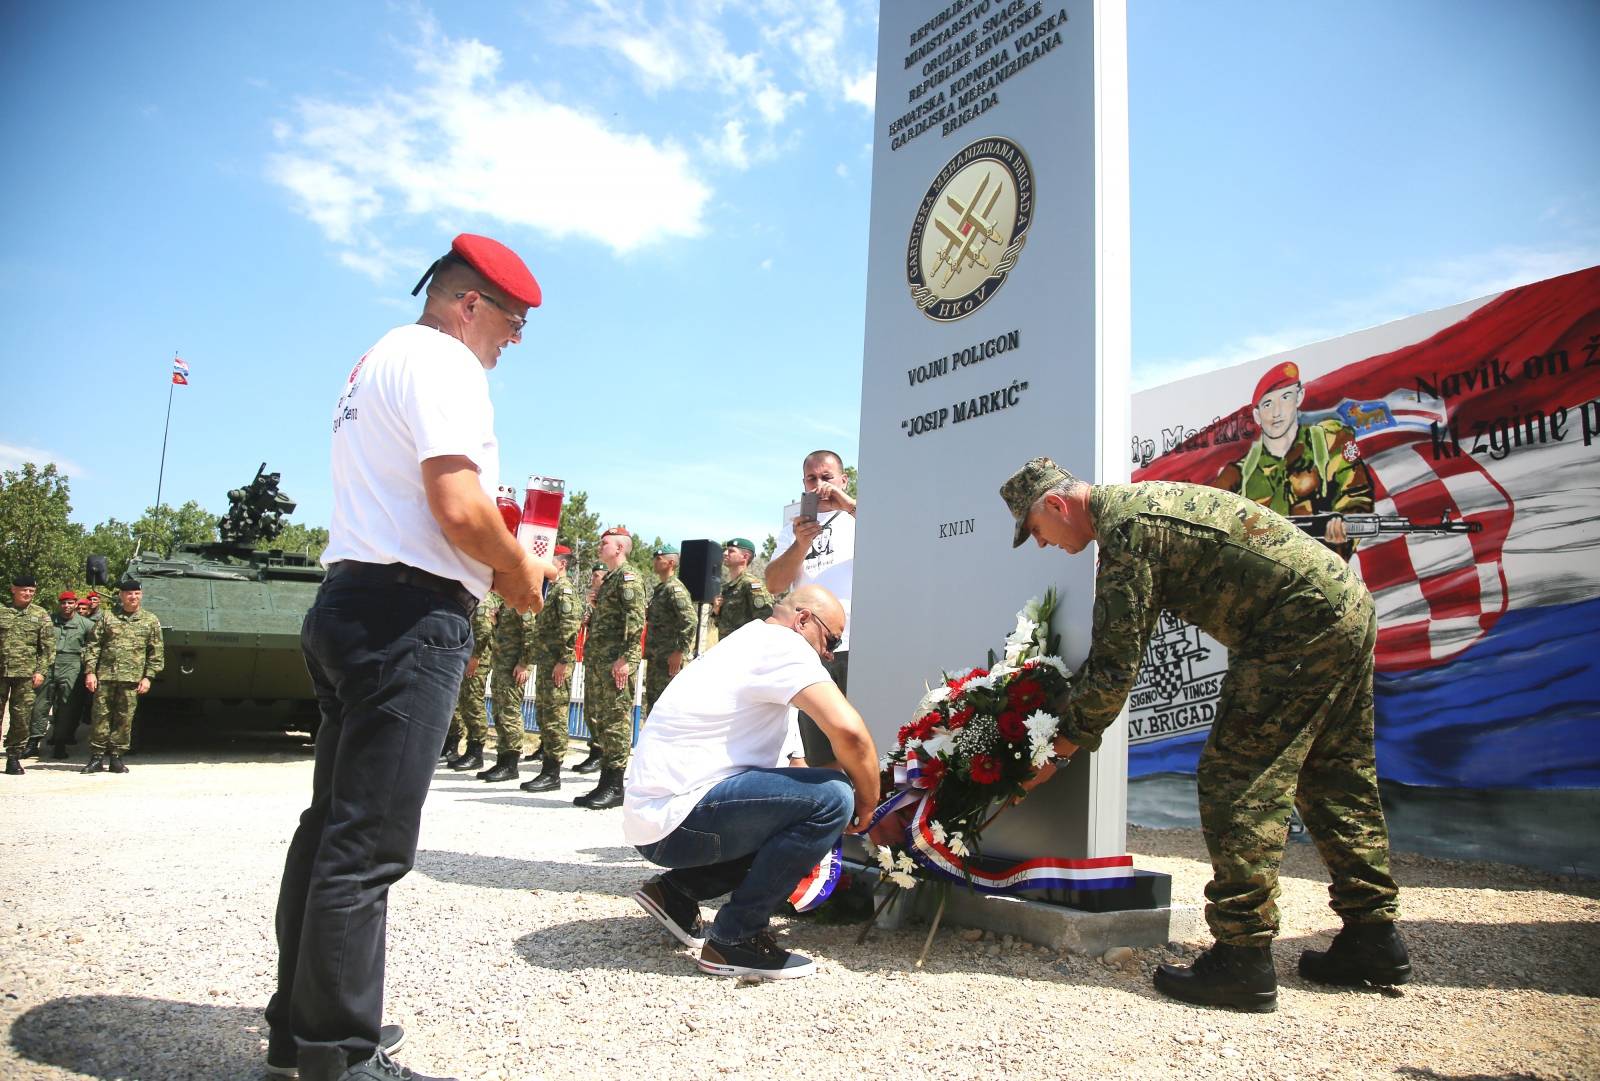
904 734
985 768
1025 694
1010 726
932 771
960 717
956 685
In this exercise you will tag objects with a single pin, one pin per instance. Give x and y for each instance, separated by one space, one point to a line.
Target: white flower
932 698
1041 727
902 879
1041 754
983 682
905 863
937 829
1029 611
1055 662
1001 670
885 857
956 845
937 744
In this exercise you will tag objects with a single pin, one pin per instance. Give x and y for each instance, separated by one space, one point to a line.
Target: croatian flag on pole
1488 654
180 372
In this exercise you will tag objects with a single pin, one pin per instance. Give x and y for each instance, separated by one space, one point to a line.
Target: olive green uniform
27 647
86 700
614 629
555 641
122 650
744 600
1294 723
59 704
470 717
670 620
1321 473
513 646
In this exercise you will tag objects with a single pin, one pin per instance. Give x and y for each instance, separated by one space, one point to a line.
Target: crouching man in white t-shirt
703 798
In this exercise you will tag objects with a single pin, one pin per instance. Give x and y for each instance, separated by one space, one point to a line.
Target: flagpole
165 428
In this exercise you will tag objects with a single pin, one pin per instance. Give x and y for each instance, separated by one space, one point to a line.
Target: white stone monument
997 329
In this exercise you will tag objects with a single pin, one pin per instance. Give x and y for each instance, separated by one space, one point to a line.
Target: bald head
820 600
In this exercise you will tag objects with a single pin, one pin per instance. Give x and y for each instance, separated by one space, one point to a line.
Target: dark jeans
386 663
819 749
755 834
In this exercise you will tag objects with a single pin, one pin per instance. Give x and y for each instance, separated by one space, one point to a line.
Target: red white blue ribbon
819 883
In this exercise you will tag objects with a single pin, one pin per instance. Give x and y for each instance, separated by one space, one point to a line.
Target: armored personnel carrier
230 617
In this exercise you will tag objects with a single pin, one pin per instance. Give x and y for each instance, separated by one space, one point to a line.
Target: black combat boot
1361 953
590 764
14 766
114 764
97 764
607 794
534 755
471 758
549 778
1237 976
505 767
448 753
31 748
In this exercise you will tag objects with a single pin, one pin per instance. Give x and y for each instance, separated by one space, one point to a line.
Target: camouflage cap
1024 487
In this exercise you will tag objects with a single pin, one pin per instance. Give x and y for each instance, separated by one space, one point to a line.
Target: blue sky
258 188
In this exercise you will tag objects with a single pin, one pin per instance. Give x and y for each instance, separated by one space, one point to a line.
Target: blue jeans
755 834
386 664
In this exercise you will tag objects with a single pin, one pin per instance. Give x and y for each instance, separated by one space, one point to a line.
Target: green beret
741 542
129 584
24 581
1024 487
665 550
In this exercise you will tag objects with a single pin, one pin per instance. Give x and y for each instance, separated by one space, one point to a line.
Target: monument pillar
997 329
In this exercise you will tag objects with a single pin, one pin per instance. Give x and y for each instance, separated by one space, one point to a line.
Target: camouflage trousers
115 701
550 707
57 708
470 716
1294 728
17 692
608 711
507 698
656 678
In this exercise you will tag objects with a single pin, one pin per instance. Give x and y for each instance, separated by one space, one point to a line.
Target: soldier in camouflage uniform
27 646
744 598
1294 723
610 662
670 621
555 641
469 717
89 609
591 761
121 658
513 656
1299 468
56 710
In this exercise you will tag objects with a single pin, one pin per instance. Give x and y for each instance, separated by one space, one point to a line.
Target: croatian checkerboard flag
1488 654
180 372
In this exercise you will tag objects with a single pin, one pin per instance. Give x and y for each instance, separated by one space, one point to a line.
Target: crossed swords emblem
973 229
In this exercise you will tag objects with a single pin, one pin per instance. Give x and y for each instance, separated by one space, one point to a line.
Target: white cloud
465 143
12 457
842 171
730 148
863 89
766 264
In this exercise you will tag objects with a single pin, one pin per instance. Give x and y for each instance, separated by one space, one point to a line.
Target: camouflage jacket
617 619
555 628
513 637
483 630
72 635
671 620
1214 559
27 640
123 647
1321 472
744 600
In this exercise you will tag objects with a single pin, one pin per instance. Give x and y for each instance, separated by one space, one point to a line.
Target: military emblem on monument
969 229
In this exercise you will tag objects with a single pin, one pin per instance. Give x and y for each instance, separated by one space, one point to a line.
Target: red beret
499 265
1284 375
563 550
616 531
67 595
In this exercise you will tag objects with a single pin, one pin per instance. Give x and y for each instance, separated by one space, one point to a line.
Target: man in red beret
415 541
1299 468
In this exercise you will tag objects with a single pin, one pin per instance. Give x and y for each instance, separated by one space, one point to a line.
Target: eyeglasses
830 641
517 322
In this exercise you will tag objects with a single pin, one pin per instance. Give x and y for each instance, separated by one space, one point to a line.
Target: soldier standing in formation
555 643
1294 724
89 609
512 656
610 661
122 656
670 621
470 717
744 597
55 712
591 761
27 646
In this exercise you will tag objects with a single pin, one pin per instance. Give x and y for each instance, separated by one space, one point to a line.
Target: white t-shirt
831 561
726 713
417 394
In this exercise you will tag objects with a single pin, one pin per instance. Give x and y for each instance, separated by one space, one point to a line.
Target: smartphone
809 504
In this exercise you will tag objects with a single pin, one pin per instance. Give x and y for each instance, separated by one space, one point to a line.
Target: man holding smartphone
820 549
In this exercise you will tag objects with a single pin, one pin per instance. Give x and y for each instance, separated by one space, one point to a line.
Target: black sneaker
677 913
759 956
282 1063
380 1067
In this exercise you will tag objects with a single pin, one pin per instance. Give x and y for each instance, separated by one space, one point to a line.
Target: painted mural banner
1454 457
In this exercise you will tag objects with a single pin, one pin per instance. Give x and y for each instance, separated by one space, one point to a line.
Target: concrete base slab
1052 925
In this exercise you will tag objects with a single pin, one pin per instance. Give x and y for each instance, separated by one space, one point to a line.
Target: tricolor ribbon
819 883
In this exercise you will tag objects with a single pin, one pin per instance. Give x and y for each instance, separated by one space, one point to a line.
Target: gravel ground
137 943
